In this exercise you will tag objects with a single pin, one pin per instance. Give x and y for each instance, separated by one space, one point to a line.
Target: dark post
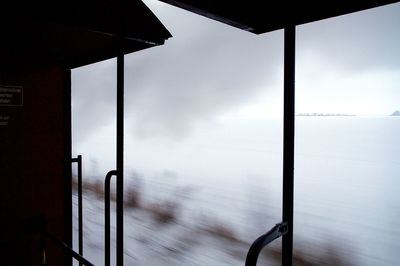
80 207
78 160
68 226
288 142
120 160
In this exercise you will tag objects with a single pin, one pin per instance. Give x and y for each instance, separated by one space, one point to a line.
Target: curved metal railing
255 249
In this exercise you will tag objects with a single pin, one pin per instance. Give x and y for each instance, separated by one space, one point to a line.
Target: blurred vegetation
167 212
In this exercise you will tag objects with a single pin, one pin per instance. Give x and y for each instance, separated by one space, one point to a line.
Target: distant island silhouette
322 114
396 113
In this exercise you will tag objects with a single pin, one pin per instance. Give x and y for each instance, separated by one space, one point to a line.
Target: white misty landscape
222 189
203 143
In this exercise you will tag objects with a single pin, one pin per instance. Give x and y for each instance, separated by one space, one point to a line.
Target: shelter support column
120 160
288 141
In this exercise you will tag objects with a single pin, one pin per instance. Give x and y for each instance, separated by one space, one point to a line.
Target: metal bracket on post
278 230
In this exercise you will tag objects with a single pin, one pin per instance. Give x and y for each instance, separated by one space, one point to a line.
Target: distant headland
323 114
396 113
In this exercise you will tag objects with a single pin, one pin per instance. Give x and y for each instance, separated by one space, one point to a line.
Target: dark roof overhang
264 16
75 33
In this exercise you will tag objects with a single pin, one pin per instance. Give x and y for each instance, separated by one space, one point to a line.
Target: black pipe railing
107 241
78 160
255 249
37 224
45 235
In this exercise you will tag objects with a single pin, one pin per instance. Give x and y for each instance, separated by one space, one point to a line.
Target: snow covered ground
169 234
205 202
151 241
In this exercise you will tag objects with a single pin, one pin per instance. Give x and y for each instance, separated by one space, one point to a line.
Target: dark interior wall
35 169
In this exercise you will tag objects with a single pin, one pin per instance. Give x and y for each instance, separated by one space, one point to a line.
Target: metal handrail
107 242
255 249
37 224
65 247
78 160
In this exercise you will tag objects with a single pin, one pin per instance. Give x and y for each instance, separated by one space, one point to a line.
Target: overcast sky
210 71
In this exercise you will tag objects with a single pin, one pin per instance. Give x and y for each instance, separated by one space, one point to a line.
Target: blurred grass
167 212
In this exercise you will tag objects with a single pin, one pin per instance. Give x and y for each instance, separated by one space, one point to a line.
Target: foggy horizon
207 71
